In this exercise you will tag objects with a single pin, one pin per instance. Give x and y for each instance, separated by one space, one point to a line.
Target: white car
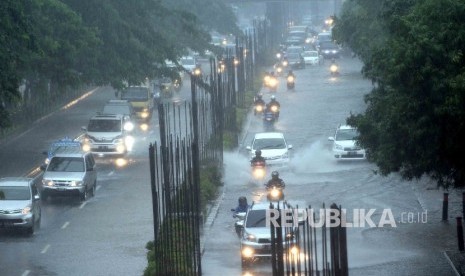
311 57
274 148
345 144
188 63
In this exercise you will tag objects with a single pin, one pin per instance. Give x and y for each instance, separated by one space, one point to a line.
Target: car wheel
30 230
84 195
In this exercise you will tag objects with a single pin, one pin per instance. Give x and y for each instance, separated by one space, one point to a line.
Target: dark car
329 50
295 60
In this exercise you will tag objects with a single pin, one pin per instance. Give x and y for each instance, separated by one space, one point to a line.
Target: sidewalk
431 200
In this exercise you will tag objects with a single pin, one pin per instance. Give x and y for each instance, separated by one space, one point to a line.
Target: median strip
45 249
65 225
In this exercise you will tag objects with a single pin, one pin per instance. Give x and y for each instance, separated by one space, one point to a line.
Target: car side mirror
248 148
43 167
330 138
289 147
36 197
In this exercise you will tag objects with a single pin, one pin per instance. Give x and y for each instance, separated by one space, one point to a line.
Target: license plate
352 153
61 189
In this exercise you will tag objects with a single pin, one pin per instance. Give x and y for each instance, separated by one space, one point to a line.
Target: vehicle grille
61 183
7 212
264 241
352 149
10 221
352 156
272 158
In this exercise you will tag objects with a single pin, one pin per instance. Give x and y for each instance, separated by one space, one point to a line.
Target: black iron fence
304 243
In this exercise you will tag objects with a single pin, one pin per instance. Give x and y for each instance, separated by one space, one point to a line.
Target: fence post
445 207
460 234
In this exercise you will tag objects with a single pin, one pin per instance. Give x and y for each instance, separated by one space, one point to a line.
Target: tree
415 120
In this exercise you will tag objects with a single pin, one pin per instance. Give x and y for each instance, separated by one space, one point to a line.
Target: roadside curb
210 221
459 258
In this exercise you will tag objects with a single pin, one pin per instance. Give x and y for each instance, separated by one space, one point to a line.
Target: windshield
187 61
116 109
269 143
96 125
135 94
256 218
14 193
310 54
346 134
66 164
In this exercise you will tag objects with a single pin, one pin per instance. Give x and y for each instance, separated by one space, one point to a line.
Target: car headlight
249 237
75 183
48 182
26 210
128 126
247 252
86 147
120 148
326 51
338 147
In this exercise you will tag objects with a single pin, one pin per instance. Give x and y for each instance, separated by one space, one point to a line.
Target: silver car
19 204
71 172
256 235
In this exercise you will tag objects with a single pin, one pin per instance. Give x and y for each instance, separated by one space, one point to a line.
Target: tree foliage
72 42
415 120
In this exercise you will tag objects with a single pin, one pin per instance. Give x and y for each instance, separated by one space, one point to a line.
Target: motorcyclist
274 102
290 73
259 100
275 181
258 159
242 205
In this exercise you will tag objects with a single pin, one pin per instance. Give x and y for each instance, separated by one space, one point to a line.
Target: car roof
346 127
107 117
118 102
263 135
70 152
15 181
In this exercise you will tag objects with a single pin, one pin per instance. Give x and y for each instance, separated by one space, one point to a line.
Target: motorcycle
273 84
279 70
275 110
290 82
239 223
269 119
274 193
259 108
258 170
334 69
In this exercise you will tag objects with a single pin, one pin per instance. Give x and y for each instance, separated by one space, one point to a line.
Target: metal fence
309 248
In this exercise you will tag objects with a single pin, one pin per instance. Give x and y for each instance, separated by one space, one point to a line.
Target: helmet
273 97
258 153
242 200
275 174
259 95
